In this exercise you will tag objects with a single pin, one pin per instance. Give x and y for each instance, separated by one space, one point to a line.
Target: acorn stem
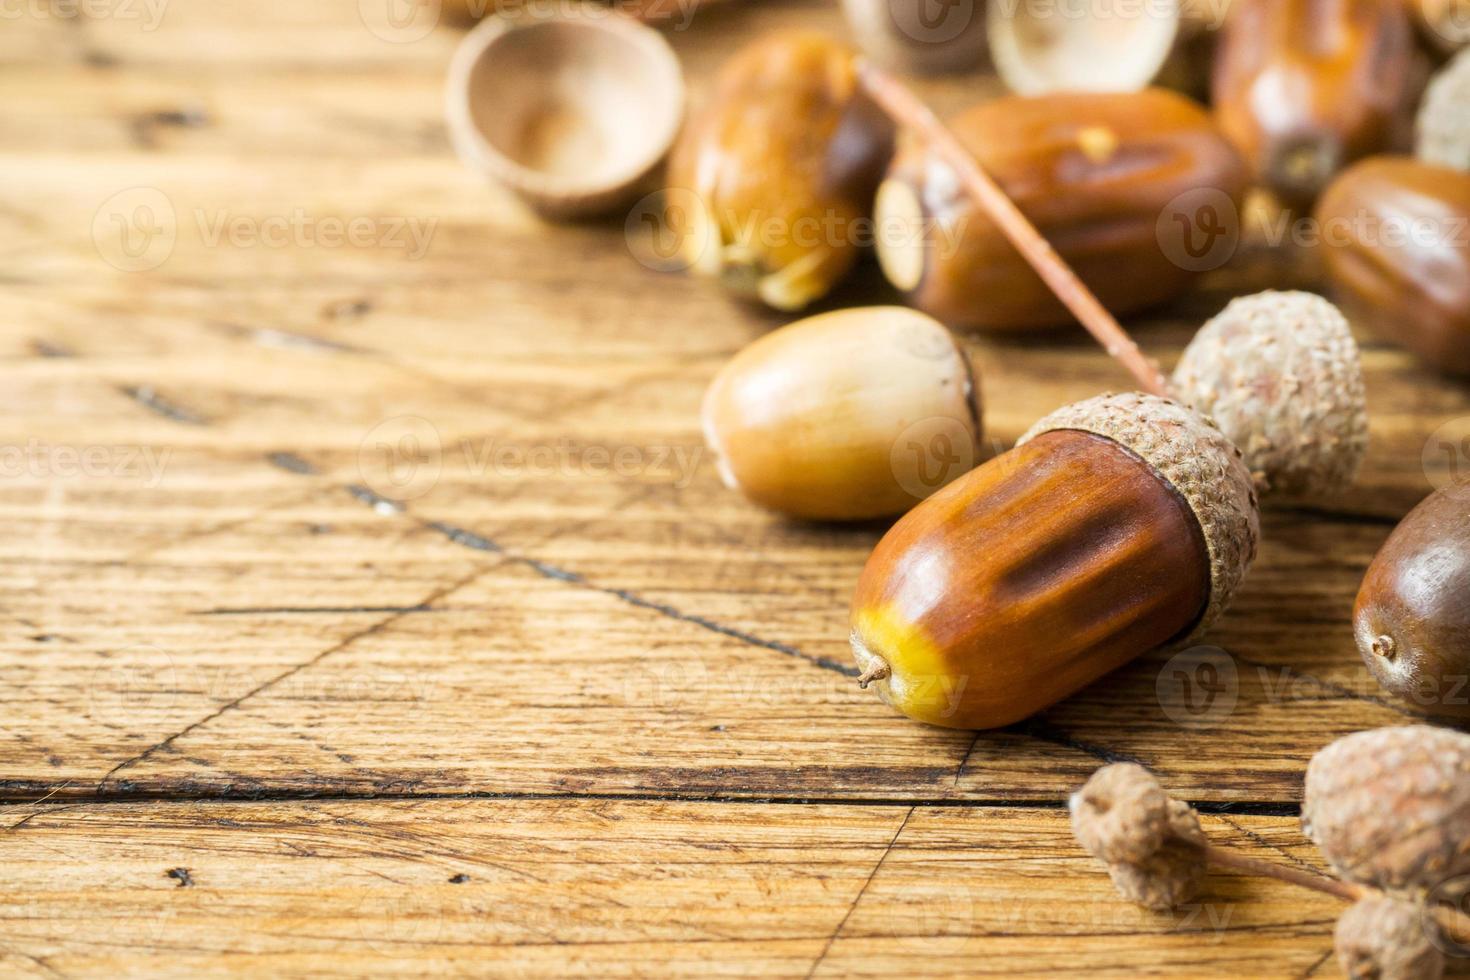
905 109
877 672
1226 858
1455 924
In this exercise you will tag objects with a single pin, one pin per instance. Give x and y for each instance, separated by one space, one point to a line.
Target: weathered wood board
544 648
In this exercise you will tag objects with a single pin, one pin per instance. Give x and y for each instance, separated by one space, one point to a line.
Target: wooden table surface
371 606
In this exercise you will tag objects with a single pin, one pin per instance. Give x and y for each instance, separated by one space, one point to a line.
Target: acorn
1305 88
1396 247
847 415
775 174
1096 173
1442 129
1280 374
1412 617
1117 525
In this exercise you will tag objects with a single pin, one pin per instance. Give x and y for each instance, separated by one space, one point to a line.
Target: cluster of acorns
1311 102
1390 810
1119 524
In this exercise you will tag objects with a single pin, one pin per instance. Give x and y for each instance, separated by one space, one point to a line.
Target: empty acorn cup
571 112
1042 46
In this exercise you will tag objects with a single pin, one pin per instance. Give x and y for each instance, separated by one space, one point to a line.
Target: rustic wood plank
619 888
549 594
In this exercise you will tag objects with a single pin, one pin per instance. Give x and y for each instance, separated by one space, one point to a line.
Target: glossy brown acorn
1305 87
776 172
1119 525
1396 238
1412 618
1093 172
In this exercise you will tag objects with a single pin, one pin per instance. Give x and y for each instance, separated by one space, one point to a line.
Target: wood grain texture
618 888
406 520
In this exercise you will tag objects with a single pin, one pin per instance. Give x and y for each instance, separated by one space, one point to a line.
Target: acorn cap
1280 374
1194 458
1383 936
1390 807
1443 126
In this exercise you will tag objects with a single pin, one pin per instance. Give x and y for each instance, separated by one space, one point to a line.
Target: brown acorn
1116 525
1304 87
779 169
1093 172
1412 617
1396 242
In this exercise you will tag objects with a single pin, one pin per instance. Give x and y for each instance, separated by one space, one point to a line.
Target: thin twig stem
901 105
1456 924
1226 858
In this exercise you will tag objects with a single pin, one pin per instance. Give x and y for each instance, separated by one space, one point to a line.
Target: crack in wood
126 793
478 542
157 404
1311 971
352 638
306 610
291 463
859 897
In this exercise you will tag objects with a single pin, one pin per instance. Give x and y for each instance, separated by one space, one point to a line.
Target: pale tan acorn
1391 807
1442 130
848 415
1280 374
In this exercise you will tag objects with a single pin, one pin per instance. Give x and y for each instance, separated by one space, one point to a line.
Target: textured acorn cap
1443 126
1280 374
1390 939
1391 807
1194 458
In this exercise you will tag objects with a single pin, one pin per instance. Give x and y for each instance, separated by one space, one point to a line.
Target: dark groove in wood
122 795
